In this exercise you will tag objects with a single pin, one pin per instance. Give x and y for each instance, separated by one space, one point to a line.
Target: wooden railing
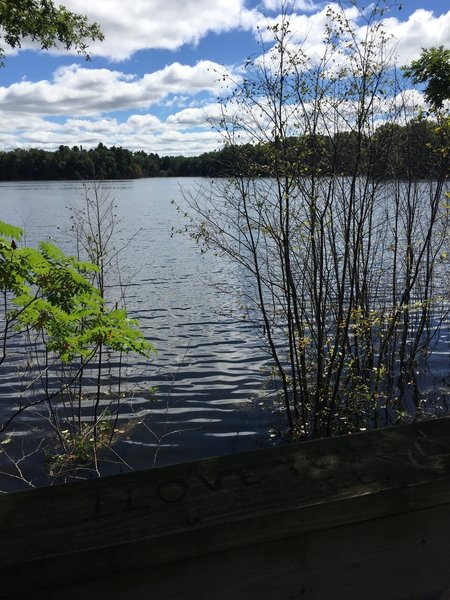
364 516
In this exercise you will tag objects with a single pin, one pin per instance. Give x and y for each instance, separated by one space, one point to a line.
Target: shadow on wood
362 516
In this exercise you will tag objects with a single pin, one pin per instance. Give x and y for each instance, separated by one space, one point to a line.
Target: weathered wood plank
382 559
229 507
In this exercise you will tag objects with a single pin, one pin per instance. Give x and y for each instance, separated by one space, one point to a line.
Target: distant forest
392 151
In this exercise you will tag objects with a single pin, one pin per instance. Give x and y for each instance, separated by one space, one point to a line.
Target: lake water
210 395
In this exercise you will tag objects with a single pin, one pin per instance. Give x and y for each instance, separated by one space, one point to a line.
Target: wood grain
342 516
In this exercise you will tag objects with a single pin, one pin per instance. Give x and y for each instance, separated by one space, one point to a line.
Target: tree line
391 151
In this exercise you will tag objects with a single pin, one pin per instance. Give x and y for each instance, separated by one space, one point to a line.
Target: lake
205 392
210 396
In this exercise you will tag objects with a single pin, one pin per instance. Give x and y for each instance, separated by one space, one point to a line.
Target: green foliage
80 446
78 163
318 153
49 293
50 25
432 68
10 230
63 324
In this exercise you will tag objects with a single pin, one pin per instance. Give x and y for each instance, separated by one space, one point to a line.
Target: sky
153 83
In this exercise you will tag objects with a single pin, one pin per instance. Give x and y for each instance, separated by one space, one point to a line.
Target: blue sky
152 83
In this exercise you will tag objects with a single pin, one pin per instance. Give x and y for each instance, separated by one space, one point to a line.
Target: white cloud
421 30
132 25
138 132
196 117
299 5
143 123
77 90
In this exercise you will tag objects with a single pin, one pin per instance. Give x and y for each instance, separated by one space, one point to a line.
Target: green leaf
52 251
10 231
